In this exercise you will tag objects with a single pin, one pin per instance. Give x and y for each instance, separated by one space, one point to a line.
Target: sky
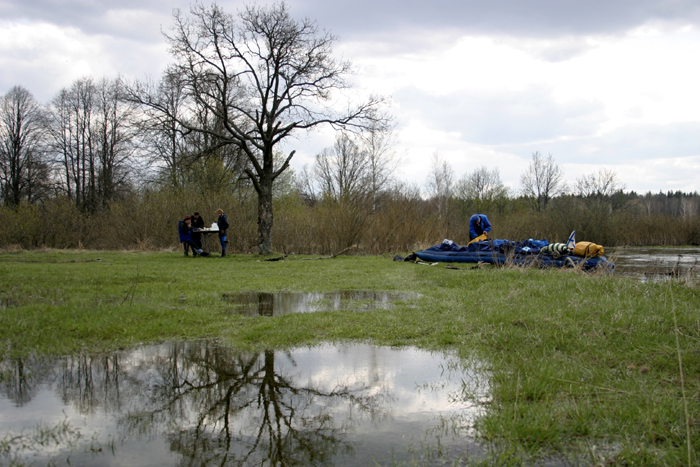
600 84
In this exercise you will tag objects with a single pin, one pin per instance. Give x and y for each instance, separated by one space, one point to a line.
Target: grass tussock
588 369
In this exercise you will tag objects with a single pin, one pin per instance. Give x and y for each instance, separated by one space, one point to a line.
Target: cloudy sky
597 83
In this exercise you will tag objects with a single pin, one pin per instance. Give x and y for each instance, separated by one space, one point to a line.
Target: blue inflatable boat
500 252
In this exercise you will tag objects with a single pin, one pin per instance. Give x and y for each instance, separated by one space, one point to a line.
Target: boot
223 253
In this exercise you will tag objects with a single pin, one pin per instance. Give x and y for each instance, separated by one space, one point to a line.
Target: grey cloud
382 19
506 118
534 18
558 50
93 16
628 144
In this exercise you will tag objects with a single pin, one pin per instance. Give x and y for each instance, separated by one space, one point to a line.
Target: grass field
596 369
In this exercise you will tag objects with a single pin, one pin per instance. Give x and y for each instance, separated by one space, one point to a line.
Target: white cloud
613 100
663 174
54 57
45 58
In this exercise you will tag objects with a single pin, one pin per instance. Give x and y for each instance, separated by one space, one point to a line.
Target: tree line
343 199
109 163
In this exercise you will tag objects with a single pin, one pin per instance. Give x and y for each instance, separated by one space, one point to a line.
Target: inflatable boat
500 252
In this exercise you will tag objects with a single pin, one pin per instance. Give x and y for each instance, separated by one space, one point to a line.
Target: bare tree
481 189
23 171
603 183
382 160
542 180
305 185
690 205
440 183
92 140
264 76
341 170
356 166
164 138
115 133
599 189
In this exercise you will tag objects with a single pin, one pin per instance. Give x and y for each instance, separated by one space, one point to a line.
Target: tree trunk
265 218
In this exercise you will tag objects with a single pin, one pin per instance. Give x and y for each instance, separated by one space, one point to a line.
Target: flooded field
282 303
199 403
656 262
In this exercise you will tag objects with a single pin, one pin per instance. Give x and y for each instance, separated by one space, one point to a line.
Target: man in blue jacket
184 228
222 223
478 224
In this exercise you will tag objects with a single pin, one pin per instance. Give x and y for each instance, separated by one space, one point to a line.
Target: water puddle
200 403
282 303
656 263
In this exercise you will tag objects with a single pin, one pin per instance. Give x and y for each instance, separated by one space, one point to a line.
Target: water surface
656 262
203 404
282 303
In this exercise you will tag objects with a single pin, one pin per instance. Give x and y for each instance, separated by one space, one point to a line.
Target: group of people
190 229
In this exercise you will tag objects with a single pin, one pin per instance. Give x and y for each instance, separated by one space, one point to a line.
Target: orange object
588 250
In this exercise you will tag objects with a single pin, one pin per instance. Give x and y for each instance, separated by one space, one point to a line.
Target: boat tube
500 252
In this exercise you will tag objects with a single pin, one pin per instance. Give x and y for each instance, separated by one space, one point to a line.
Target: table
206 233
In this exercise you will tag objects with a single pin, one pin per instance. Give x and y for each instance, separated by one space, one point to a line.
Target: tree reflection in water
225 408
282 303
213 405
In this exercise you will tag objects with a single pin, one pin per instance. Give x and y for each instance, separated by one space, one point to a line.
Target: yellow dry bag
480 238
588 249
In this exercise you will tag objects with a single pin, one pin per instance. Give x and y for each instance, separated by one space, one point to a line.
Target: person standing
478 225
197 223
222 223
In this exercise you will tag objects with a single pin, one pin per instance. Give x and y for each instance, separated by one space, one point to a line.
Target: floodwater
203 404
656 262
282 303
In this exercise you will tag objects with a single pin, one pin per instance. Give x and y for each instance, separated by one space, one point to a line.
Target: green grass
583 367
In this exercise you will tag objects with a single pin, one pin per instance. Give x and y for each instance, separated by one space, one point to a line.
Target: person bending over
197 223
184 228
478 225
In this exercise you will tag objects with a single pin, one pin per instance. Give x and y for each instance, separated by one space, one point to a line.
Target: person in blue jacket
184 229
222 223
478 224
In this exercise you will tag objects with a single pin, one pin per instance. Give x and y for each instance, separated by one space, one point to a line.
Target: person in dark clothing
197 223
222 223
184 229
478 224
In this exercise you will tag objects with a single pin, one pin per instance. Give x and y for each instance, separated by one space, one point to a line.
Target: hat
188 218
